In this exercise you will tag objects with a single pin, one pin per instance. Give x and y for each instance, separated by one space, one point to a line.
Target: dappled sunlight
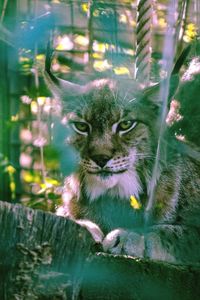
26 99
15 118
81 41
121 71
25 160
40 142
26 136
135 203
102 66
97 39
85 7
173 114
99 47
99 124
190 33
180 137
64 43
34 107
193 69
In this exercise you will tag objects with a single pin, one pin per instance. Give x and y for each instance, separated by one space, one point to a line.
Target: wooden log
126 278
43 256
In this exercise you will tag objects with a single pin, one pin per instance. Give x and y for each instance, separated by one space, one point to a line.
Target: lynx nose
101 160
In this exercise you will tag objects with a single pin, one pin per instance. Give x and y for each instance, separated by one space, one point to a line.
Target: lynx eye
81 127
126 126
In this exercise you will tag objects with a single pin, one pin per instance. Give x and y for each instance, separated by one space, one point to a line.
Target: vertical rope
143 36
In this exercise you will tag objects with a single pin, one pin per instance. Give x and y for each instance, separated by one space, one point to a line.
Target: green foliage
9 170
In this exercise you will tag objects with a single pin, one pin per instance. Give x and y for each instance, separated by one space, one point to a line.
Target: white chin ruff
121 185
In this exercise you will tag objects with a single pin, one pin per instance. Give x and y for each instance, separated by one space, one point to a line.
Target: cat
115 125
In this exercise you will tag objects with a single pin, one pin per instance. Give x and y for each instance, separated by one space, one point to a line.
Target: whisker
115 94
126 94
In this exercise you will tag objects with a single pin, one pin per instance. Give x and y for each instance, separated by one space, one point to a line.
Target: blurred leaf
10 169
12 186
51 157
52 182
102 65
41 101
190 33
40 57
121 71
99 47
34 107
123 18
53 196
81 40
24 59
64 43
162 22
84 7
97 55
31 176
135 203
15 118
3 160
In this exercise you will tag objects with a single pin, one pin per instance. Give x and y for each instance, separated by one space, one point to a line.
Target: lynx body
115 127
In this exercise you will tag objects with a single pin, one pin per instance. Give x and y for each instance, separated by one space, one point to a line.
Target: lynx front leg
120 241
93 229
171 243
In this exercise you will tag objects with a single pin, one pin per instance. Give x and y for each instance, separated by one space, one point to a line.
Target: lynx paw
93 228
120 241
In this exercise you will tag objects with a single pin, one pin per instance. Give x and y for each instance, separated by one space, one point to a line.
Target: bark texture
43 256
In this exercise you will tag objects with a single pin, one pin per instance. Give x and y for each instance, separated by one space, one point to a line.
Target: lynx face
113 136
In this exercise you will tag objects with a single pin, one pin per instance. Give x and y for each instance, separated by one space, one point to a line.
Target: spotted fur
116 164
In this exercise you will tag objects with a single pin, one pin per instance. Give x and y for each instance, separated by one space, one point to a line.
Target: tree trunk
43 256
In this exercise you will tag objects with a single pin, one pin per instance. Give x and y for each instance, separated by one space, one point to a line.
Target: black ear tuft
181 60
152 93
51 81
59 88
49 54
174 82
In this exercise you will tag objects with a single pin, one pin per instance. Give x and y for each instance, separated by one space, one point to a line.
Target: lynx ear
57 86
153 92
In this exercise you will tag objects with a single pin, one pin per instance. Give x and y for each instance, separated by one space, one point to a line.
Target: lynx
115 125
